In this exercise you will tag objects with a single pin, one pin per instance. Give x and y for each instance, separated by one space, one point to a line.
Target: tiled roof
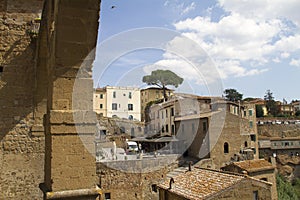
201 183
254 165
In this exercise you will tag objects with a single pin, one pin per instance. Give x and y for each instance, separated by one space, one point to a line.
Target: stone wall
279 130
70 163
21 152
137 182
231 134
38 69
245 190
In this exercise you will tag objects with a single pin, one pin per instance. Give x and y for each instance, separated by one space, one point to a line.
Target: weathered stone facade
136 180
38 70
21 152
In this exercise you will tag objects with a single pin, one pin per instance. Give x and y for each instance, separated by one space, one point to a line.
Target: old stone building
199 183
207 128
135 179
259 169
151 94
38 69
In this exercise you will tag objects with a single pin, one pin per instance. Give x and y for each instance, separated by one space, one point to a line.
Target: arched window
130 117
226 147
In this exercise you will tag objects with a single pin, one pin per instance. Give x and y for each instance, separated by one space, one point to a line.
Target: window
166 113
162 114
250 112
130 117
167 128
255 195
132 131
226 147
246 144
245 113
101 96
286 144
122 129
251 124
253 138
129 95
172 111
107 196
114 94
101 106
114 106
154 187
130 106
204 126
173 129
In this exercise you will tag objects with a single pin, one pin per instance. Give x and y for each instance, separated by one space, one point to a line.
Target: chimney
190 165
171 181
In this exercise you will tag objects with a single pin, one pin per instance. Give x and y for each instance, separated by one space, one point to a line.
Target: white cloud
295 62
189 8
276 60
245 38
264 9
284 55
166 3
250 35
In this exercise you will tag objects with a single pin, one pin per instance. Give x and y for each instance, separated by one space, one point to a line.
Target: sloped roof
254 165
201 183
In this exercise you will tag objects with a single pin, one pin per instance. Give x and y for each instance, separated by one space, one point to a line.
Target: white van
131 147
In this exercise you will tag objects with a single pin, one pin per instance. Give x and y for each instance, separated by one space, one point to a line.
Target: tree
162 78
259 111
285 189
271 105
233 95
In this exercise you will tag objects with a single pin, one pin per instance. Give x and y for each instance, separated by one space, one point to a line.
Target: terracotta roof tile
254 165
201 183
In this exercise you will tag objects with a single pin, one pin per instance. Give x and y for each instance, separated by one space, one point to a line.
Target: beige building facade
121 102
100 101
208 128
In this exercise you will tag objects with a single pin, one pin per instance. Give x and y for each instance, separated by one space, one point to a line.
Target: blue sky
250 45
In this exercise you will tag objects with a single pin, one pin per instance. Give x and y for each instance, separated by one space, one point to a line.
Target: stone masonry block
67 117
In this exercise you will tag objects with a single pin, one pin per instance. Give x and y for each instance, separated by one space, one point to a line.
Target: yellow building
152 94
